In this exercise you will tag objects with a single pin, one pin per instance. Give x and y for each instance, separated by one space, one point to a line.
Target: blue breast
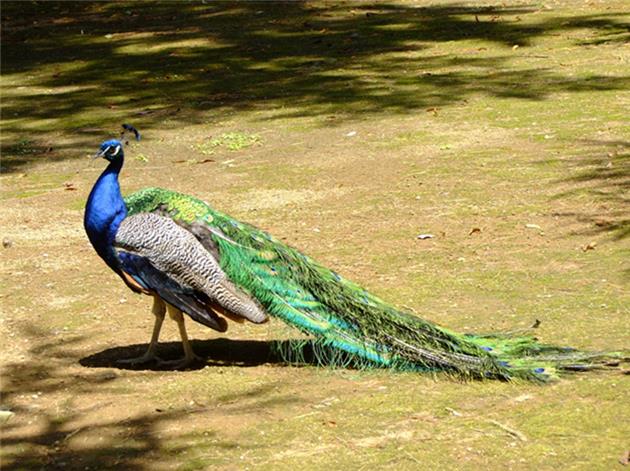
104 211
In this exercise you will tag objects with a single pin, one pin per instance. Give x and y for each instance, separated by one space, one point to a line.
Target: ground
347 130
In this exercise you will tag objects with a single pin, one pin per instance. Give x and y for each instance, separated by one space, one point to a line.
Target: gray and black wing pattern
167 259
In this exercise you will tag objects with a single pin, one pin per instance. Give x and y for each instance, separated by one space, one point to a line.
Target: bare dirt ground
346 130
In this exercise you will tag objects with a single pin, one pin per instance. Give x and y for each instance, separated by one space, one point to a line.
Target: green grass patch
232 141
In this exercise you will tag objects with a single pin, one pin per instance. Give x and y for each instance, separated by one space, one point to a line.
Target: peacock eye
116 151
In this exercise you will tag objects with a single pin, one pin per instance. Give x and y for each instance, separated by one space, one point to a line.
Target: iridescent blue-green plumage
343 317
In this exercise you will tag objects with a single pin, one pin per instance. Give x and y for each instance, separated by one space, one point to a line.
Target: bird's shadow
214 352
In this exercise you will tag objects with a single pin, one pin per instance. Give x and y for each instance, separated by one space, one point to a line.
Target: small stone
7 243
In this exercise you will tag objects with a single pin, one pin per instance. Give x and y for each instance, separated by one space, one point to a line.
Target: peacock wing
163 257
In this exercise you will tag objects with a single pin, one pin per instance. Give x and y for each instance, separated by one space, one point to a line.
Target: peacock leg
189 355
159 310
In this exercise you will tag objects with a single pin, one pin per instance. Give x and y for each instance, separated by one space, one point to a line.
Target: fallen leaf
603 223
425 236
474 230
589 246
351 133
625 458
69 187
5 415
532 226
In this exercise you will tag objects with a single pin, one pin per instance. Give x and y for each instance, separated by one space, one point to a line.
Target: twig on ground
510 430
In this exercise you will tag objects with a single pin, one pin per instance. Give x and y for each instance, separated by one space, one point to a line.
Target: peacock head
111 150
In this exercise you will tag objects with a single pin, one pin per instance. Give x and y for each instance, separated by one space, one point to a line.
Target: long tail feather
343 317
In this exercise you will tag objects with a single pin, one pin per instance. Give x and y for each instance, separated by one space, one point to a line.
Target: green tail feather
349 324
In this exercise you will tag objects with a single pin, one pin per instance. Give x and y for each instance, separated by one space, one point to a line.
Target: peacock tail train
347 323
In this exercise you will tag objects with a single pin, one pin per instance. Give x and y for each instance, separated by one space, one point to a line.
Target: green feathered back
348 323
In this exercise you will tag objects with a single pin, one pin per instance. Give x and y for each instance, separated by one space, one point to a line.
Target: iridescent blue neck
104 211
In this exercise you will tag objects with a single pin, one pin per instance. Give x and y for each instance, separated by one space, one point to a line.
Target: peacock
194 260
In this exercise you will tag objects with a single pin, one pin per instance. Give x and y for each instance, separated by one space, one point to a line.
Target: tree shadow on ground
603 172
74 431
85 65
